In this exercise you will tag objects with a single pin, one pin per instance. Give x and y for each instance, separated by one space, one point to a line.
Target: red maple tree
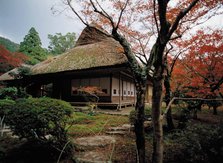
199 71
10 60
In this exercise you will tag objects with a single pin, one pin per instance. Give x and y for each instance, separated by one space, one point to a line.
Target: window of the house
114 91
131 93
128 92
124 92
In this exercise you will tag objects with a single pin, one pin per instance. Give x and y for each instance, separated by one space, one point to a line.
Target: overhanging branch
181 14
75 12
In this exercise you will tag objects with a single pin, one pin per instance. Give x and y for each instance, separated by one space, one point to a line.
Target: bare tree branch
217 85
176 58
120 16
102 13
102 8
176 37
139 56
154 15
186 99
75 12
180 16
168 51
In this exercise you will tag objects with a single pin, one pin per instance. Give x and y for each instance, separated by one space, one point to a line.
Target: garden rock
91 157
85 143
120 130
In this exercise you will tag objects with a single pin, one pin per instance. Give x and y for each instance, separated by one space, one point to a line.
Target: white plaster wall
115 85
132 89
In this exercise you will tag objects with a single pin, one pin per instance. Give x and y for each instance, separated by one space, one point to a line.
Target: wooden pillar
119 87
111 84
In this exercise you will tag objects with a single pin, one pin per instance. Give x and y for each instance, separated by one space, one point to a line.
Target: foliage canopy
31 46
61 43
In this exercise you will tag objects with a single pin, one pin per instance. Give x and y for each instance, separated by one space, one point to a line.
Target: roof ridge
91 34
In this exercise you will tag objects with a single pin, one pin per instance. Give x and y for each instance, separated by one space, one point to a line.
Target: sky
18 16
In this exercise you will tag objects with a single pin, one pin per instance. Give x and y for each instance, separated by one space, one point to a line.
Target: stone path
120 130
98 149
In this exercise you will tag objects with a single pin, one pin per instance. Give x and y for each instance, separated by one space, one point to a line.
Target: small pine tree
31 46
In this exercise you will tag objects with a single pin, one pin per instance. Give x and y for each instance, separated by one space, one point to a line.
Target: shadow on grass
31 152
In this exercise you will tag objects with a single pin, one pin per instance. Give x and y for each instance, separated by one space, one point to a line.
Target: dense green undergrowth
198 142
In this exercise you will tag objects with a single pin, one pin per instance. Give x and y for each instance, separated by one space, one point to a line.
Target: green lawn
85 124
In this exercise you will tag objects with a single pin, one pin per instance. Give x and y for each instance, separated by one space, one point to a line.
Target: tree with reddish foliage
136 22
199 72
10 60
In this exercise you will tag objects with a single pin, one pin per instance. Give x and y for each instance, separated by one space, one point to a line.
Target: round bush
42 119
13 93
5 106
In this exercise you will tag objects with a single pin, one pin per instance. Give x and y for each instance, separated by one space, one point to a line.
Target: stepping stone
91 157
118 129
121 130
116 132
127 126
84 143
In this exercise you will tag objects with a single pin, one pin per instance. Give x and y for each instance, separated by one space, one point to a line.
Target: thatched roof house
93 49
97 60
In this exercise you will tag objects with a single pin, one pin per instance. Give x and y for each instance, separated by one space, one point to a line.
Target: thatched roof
93 49
8 75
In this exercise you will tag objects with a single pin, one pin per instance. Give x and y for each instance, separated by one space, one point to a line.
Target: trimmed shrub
41 119
9 93
13 93
5 106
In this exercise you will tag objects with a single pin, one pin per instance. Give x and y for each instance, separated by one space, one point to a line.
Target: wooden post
119 87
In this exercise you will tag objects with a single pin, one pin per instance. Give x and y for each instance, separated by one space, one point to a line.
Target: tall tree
31 46
60 43
165 21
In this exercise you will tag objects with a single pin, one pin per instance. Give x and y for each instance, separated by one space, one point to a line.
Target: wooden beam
119 90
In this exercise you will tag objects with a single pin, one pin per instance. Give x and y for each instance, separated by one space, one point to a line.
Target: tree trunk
194 113
139 123
140 81
156 116
215 110
169 119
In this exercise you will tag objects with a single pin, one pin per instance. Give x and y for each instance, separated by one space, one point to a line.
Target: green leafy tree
9 45
60 43
31 46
